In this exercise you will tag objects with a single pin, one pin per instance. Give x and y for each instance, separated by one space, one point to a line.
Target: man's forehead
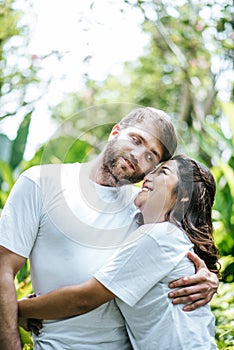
147 130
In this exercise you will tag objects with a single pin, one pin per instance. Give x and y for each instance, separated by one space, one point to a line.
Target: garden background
184 66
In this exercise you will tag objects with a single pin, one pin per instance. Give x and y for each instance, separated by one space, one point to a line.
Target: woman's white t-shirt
139 275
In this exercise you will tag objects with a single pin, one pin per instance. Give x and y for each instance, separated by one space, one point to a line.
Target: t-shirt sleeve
19 222
137 267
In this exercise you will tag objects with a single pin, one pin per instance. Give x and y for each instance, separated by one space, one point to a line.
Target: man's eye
149 157
135 140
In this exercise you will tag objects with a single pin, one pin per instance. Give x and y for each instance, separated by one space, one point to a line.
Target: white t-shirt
139 275
68 228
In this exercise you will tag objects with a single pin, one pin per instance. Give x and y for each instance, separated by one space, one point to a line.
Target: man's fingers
187 299
34 326
188 281
34 323
179 283
195 305
35 330
190 290
199 263
196 290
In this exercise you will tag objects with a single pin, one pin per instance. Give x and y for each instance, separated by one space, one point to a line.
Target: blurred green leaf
228 108
5 148
24 272
26 339
6 174
19 144
229 175
222 305
227 268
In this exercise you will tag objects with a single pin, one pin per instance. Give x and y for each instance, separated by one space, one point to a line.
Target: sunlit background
72 40
69 39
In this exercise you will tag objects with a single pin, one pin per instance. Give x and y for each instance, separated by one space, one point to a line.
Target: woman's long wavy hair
192 211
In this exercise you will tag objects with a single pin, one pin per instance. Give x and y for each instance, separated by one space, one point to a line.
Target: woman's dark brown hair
193 208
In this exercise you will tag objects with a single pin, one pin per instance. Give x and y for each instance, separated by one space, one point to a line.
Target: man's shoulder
44 172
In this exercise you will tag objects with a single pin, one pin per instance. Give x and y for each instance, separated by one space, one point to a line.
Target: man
68 219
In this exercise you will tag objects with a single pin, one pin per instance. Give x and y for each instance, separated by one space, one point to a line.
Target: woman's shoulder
165 232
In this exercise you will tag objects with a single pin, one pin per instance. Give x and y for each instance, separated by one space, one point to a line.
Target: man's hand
30 324
196 290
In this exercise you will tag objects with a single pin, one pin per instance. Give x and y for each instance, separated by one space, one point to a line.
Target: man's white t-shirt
69 227
139 275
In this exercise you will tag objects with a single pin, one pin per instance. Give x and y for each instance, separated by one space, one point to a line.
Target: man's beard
114 165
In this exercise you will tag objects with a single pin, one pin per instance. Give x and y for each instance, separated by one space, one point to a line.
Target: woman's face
158 196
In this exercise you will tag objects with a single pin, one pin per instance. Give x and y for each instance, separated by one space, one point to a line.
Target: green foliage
8 20
26 339
19 144
5 149
223 308
24 287
13 46
11 155
64 149
92 124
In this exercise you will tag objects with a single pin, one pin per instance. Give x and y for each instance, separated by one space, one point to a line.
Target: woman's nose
147 178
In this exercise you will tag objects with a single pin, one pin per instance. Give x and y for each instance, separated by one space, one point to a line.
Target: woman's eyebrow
167 168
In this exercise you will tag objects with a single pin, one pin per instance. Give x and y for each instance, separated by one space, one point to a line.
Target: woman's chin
139 203
140 200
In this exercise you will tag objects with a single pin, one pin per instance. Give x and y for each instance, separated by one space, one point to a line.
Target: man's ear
115 131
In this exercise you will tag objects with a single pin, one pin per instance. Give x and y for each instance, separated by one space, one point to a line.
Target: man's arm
66 301
196 290
10 263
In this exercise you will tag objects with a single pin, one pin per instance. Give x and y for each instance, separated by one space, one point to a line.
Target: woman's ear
115 131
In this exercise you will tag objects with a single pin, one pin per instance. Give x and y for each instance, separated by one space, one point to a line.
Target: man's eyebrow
155 153
152 150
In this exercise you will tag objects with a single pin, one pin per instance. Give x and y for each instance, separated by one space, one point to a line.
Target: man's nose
138 153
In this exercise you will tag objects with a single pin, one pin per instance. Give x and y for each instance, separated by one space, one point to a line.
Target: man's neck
98 173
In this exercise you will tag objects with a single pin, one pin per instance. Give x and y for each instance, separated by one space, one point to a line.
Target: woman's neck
156 218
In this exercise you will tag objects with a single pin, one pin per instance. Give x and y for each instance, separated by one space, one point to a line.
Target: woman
175 203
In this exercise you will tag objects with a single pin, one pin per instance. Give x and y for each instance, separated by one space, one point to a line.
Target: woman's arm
66 301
